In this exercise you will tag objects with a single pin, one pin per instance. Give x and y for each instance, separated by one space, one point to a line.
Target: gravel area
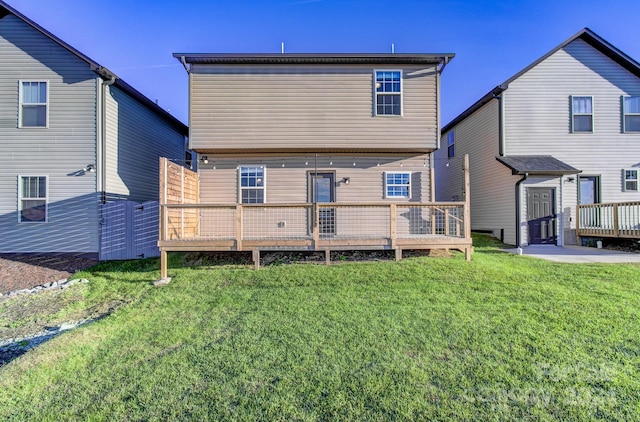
24 271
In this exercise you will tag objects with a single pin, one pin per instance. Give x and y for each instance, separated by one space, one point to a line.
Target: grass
503 337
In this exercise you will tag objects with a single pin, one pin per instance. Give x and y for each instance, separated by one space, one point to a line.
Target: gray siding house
73 137
563 131
314 152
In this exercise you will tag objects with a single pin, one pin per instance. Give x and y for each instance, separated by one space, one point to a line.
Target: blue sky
492 40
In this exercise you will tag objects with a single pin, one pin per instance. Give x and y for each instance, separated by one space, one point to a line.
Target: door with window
322 189
589 193
541 215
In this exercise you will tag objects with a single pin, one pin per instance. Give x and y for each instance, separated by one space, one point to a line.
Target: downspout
439 71
498 96
103 136
526 175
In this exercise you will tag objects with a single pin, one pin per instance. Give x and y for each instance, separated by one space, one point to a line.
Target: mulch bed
25 271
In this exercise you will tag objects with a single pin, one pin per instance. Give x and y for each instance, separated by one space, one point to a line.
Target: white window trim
386 185
625 114
263 187
375 93
625 180
593 113
21 198
20 104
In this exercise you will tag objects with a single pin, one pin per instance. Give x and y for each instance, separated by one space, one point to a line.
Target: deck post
615 220
467 253
467 199
316 226
238 227
446 222
163 270
578 225
256 258
163 264
393 225
327 256
398 254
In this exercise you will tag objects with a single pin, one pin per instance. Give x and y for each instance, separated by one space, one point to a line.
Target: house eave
314 59
301 150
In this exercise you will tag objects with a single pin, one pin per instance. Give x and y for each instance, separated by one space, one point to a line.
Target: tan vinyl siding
491 184
297 108
136 137
578 69
59 151
288 184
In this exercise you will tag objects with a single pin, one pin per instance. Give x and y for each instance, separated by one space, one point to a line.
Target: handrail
320 204
613 219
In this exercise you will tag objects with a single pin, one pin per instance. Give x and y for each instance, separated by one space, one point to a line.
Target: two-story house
74 137
315 152
564 131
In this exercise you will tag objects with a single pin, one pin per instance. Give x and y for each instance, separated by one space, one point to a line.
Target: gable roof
540 165
100 70
585 35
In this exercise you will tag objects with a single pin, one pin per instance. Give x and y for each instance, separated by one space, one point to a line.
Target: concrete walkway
577 254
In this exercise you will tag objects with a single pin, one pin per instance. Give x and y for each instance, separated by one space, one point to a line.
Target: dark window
451 139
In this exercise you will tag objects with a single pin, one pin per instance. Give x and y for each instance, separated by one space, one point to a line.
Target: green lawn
503 337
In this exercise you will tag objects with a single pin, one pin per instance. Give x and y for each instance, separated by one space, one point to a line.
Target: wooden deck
620 219
187 225
314 227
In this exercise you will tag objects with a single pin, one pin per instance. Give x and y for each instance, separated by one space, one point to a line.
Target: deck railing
621 219
312 226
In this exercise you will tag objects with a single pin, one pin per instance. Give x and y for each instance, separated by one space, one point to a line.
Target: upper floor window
630 179
581 114
252 184
451 140
397 185
631 114
388 92
33 103
32 199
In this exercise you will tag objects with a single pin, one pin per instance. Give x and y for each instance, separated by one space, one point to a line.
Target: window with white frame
630 179
252 184
581 114
388 92
451 140
33 103
397 185
631 114
32 199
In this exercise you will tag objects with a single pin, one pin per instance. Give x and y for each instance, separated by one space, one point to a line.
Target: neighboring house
73 137
563 131
314 151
